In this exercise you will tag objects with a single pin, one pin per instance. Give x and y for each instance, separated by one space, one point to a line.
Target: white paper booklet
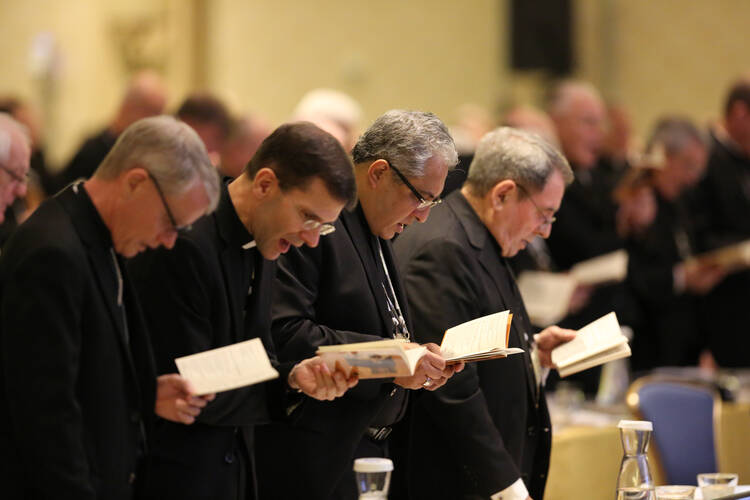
547 295
479 339
228 367
598 342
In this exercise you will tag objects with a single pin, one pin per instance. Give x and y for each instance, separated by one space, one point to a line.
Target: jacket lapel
360 236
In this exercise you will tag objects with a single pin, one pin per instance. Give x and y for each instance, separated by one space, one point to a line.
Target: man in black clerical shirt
348 290
215 289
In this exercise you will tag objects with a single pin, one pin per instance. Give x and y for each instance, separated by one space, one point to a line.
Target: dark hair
673 133
299 152
740 91
205 108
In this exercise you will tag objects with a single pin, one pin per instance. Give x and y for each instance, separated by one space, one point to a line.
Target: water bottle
634 481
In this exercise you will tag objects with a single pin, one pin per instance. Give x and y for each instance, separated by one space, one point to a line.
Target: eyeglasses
423 204
175 227
325 229
21 179
547 219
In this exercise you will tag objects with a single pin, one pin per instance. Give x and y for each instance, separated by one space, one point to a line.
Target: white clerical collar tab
249 245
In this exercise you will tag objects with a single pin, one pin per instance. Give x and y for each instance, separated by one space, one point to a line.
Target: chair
683 414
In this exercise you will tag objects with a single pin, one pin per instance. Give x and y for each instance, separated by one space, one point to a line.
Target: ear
376 171
134 180
265 183
500 192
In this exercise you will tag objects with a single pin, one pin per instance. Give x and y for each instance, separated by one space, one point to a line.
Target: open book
735 257
479 339
596 343
228 367
547 295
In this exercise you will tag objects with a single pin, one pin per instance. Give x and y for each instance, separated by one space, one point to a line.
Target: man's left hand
548 339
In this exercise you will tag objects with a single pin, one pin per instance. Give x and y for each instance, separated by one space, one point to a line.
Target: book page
361 346
546 295
599 335
733 257
387 362
617 352
610 267
476 336
228 367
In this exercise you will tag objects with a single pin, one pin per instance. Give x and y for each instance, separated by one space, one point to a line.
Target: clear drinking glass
634 481
716 485
373 477
677 492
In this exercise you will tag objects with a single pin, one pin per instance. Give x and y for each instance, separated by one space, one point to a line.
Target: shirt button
131 478
229 458
135 417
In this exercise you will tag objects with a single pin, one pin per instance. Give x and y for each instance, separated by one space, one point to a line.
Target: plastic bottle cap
637 425
373 465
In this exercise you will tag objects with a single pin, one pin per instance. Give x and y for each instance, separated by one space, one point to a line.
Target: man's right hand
431 372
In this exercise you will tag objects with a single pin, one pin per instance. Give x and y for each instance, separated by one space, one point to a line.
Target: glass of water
373 477
716 485
676 492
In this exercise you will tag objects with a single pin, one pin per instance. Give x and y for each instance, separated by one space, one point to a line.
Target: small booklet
735 257
547 295
596 343
476 340
228 367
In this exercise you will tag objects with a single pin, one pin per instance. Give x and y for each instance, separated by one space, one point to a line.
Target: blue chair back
683 418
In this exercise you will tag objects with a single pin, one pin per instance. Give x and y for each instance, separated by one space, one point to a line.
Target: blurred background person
146 95
331 109
15 152
721 205
210 118
668 288
245 136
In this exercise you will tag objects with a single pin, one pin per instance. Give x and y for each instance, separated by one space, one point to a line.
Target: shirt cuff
516 491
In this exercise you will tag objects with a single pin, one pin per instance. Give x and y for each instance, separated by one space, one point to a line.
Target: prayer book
547 295
228 367
596 343
476 340
732 258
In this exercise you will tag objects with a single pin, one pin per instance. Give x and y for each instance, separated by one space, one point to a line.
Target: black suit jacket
489 425
331 294
194 298
75 395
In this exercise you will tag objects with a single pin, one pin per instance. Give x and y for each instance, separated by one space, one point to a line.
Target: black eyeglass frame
548 221
170 215
423 204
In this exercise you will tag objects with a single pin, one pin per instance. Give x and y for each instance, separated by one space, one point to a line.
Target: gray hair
169 150
565 92
673 134
511 154
11 131
408 139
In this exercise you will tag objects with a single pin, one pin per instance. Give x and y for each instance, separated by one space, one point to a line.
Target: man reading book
215 289
348 290
492 417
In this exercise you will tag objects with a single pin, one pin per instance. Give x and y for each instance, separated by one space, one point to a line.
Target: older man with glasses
216 288
78 389
15 153
348 290
492 417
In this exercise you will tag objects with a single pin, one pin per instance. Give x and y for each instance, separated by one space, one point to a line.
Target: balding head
532 120
15 151
145 96
578 113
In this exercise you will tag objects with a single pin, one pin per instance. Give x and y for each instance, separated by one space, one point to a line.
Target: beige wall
262 55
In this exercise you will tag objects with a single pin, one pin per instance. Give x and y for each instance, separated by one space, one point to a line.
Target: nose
21 189
168 239
422 215
311 237
544 230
